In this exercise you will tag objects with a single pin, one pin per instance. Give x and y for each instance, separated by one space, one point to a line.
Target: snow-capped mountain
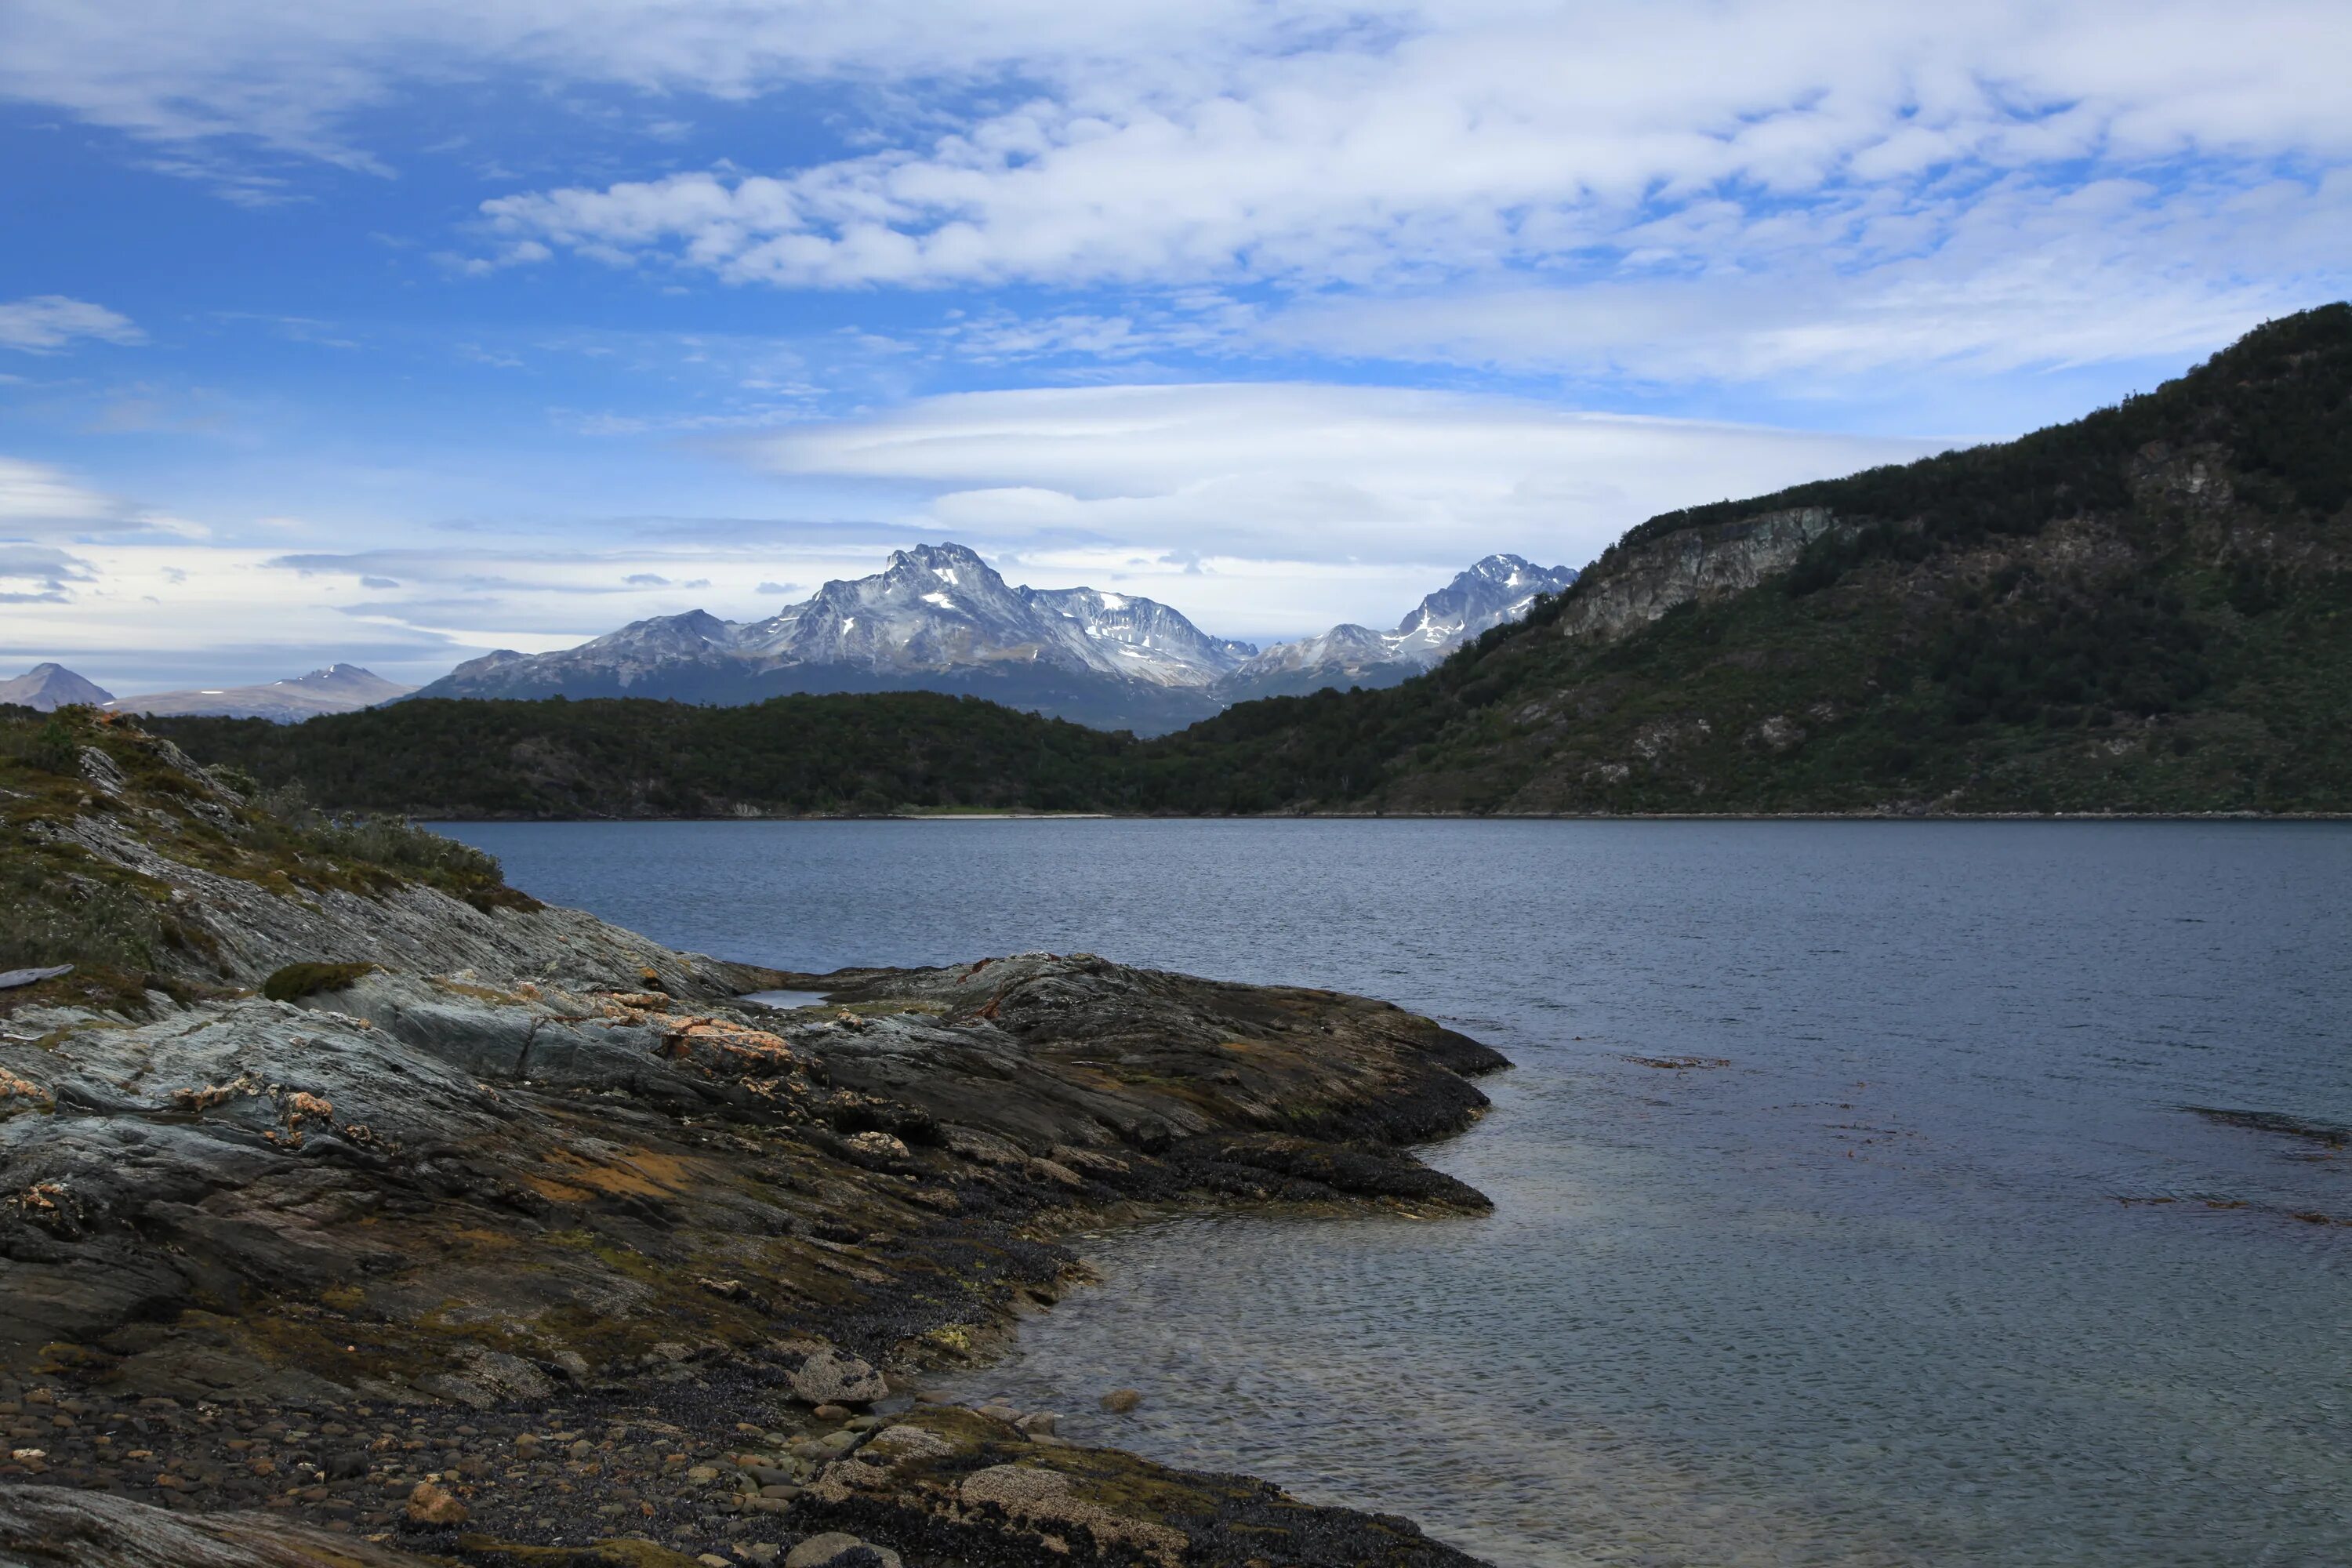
338 689
49 686
937 617
1143 637
1498 589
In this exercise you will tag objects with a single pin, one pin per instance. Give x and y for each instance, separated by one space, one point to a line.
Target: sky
396 331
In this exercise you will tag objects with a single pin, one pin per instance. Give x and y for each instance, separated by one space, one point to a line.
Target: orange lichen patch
300 1104
205 1097
729 1049
556 1192
42 1199
634 1001
15 1087
639 1172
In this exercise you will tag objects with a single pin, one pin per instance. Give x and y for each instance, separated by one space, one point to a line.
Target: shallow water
1931 1271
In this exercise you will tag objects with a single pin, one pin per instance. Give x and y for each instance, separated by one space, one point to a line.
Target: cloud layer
1305 472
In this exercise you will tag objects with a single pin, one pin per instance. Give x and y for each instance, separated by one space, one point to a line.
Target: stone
835 1550
432 1504
1041 1425
1119 1401
829 1376
831 1412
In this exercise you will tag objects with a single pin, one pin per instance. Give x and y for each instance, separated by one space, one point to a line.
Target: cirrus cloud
43 323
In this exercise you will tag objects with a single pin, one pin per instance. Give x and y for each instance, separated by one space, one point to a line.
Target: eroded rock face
960 1486
1621 594
421 1188
60 1529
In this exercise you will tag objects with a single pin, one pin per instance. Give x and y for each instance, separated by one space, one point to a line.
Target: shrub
297 981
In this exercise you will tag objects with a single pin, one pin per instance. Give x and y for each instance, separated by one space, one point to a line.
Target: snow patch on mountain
1498 589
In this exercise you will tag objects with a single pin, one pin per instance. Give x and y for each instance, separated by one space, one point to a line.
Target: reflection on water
1934 1268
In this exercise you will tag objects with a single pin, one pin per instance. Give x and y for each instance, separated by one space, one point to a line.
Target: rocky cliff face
1630 588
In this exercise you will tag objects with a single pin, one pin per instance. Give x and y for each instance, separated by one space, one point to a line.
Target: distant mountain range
49 686
338 689
341 688
939 618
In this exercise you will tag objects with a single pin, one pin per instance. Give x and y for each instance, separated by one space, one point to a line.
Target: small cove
1933 1268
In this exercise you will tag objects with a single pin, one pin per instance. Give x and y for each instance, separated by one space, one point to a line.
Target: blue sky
399 332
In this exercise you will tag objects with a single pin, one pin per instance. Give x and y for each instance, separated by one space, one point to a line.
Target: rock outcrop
467 1165
1634 585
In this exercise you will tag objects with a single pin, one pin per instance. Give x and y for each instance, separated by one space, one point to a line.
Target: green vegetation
84 795
2148 609
636 757
297 981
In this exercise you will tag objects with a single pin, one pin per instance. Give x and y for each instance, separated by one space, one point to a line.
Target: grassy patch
297 981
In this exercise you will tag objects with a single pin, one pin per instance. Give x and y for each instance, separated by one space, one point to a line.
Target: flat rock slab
59 1528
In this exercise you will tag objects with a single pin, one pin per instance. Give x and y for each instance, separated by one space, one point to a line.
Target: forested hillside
636 757
2148 609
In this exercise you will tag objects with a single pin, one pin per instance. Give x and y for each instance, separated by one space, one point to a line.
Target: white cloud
1301 472
39 503
39 575
1485 135
1454 168
43 323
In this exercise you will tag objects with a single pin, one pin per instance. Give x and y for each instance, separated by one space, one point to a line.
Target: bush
297 981
43 923
289 821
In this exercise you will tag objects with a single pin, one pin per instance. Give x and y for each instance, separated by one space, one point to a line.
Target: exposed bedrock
412 1186
485 1227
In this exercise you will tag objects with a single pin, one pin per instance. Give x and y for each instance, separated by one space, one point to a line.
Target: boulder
829 1377
835 1550
431 1504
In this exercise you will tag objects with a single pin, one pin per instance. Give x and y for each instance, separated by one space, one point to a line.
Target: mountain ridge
937 617
337 689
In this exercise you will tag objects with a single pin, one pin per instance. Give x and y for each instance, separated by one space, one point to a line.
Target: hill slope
2147 609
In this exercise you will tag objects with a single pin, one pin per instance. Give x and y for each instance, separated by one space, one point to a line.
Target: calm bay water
1935 1269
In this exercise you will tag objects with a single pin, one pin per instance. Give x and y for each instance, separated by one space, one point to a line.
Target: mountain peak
50 685
1502 588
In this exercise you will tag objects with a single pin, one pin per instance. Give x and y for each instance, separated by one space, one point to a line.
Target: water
1931 1272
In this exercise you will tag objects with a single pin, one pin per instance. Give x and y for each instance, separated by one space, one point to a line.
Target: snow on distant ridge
937 617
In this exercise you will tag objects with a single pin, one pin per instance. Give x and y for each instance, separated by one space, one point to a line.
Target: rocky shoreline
491 1233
